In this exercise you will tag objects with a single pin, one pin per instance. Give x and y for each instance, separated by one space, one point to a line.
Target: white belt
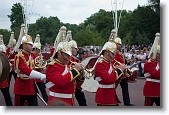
147 74
107 86
153 80
11 59
61 95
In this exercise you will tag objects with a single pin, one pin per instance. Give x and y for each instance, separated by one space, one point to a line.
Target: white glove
37 75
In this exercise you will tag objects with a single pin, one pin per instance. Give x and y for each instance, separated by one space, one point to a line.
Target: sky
68 11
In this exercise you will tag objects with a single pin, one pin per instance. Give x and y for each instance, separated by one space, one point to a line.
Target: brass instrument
127 71
40 62
85 73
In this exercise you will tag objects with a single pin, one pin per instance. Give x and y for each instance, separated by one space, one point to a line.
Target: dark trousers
149 101
7 97
125 92
80 97
10 76
31 100
140 74
42 89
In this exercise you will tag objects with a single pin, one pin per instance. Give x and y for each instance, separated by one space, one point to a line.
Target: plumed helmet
69 36
118 40
61 37
22 33
64 47
1 40
73 44
109 46
37 43
12 42
27 39
112 35
155 47
2 45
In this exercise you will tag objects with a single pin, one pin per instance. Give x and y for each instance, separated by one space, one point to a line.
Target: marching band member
107 74
123 83
24 87
4 84
80 97
11 55
151 89
61 76
35 54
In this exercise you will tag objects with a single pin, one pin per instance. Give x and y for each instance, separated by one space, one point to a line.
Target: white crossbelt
61 95
153 80
107 86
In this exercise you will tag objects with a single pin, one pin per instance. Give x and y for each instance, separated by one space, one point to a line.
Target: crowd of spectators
132 54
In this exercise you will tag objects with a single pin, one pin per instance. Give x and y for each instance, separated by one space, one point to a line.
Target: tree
87 37
47 28
155 4
6 35
16 18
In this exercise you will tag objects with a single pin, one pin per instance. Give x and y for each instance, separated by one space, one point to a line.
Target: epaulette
100 60
19 54
149 60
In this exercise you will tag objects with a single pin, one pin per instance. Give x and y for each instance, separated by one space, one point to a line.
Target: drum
132 78
4 67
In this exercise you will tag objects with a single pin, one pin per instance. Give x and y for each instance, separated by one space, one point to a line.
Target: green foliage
88 37
16 18
6 35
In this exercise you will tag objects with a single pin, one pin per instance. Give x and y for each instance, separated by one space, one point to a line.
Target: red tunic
22 86
105 96
119 57
152 89
79 82
36 69
61 77
10 56
52 51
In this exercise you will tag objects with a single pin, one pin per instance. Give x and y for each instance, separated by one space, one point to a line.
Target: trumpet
127 71
85 73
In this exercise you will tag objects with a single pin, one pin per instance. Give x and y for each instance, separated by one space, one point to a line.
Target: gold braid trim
17 63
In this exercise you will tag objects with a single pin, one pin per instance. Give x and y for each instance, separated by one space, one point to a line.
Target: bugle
86 73
127 71
130 72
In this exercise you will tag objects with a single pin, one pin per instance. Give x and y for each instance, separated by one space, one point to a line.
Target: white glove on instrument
37 75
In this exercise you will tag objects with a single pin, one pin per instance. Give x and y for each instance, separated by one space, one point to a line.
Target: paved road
135 90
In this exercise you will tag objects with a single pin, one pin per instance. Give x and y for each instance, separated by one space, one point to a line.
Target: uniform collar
59 62
104 59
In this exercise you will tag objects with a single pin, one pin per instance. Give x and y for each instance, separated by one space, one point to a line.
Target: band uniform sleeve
119 72
74 73
150 67
54 74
